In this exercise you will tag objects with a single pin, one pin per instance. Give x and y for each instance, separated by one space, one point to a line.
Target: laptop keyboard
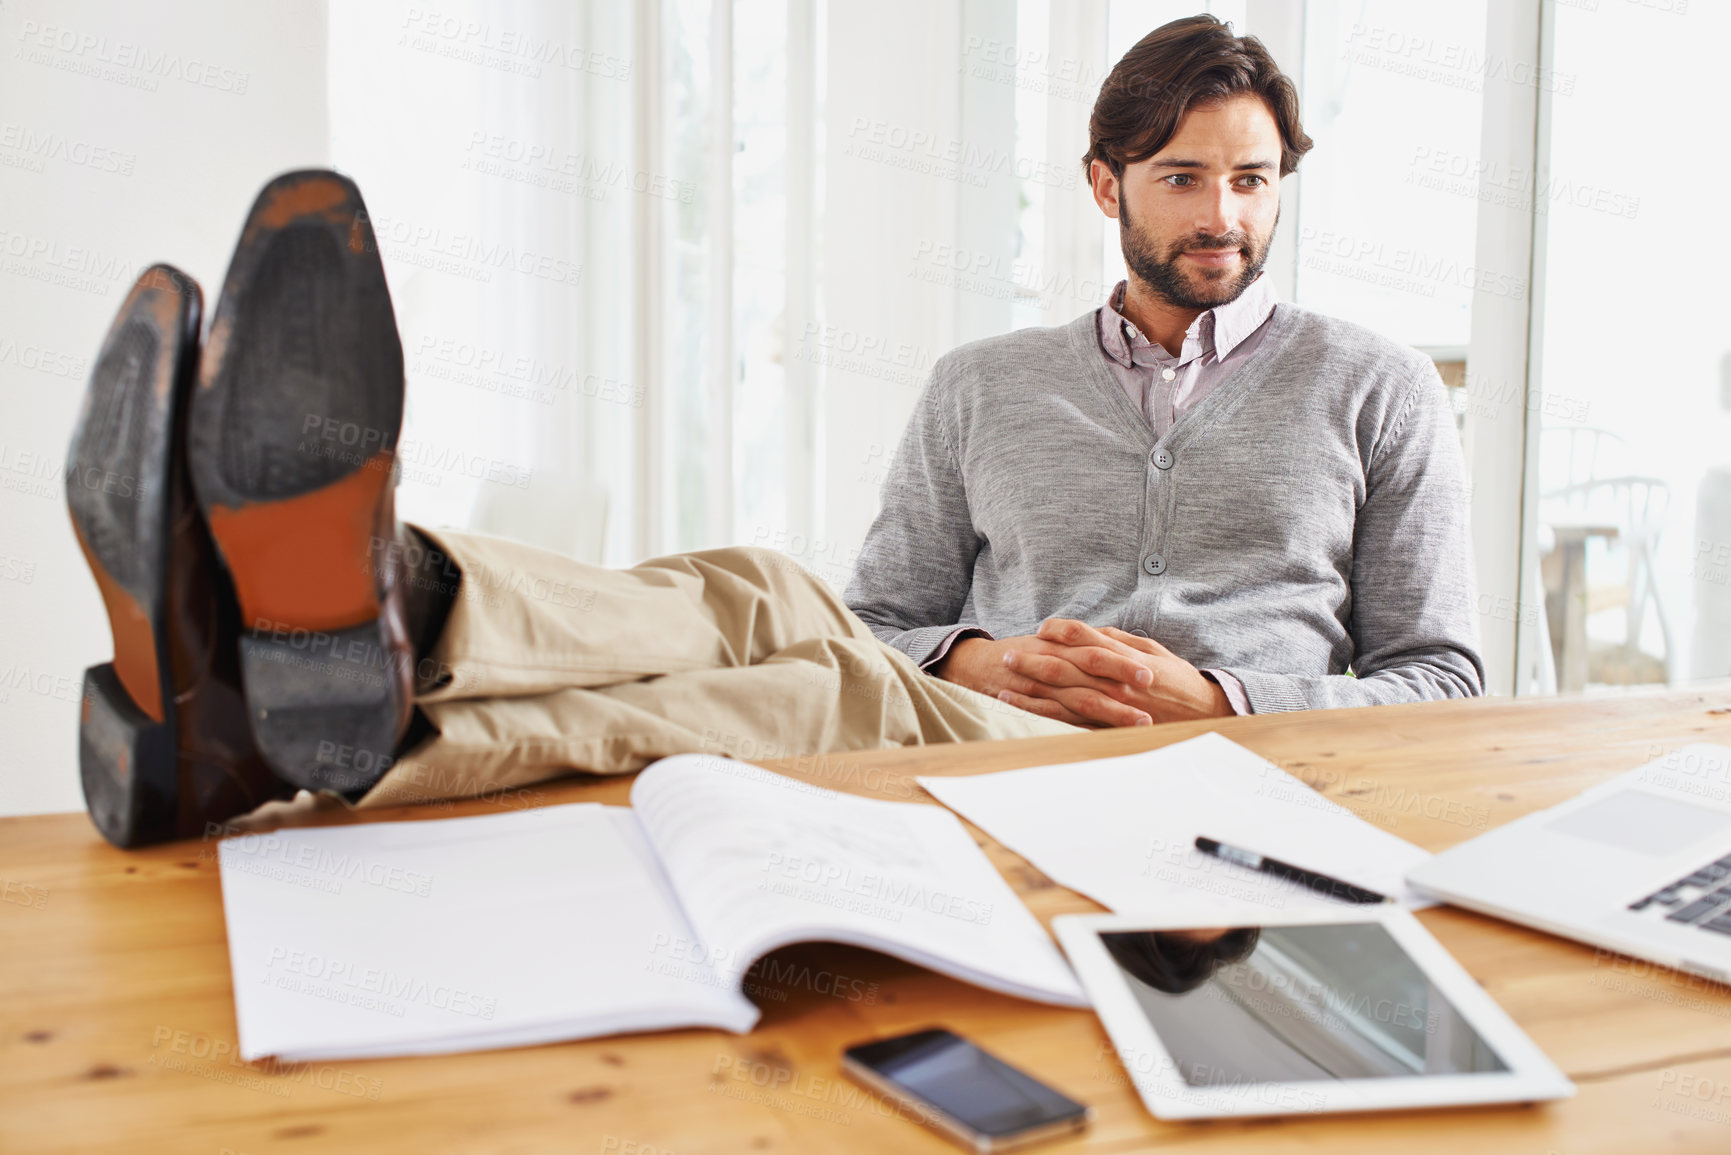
1701 899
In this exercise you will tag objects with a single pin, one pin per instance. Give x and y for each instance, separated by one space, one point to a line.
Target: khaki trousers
548 666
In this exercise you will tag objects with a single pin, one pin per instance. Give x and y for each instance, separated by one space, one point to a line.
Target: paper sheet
459 934
1122 830
761 860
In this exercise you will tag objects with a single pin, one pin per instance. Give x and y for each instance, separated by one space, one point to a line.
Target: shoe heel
292 437
324 705
126 760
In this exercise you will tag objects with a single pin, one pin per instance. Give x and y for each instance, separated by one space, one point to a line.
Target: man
1257 507
277 629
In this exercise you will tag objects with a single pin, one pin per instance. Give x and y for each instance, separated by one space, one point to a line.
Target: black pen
1321 883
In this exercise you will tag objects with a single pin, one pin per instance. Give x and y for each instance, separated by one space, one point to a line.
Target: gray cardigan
1307 517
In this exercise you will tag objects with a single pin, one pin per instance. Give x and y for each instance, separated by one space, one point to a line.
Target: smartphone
973 1097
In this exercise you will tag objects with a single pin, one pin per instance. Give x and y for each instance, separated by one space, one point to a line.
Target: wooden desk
117 1018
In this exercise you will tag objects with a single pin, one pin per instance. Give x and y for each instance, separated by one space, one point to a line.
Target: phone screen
975 1088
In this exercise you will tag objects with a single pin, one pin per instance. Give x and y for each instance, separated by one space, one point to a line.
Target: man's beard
1173 284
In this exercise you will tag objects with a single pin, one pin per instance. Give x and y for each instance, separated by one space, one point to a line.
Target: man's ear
1105 186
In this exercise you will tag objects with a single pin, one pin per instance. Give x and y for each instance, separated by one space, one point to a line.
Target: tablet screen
1292 1004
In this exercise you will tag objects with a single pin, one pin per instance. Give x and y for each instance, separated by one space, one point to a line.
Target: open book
568 922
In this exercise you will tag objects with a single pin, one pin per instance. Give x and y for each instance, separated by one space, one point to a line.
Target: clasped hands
1075 673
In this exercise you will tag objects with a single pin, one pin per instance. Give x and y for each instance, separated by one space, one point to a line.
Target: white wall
129 134
915 187
473 157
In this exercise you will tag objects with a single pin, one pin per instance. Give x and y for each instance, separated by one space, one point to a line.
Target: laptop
1640 865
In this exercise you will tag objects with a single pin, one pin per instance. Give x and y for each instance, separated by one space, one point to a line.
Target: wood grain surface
117 1027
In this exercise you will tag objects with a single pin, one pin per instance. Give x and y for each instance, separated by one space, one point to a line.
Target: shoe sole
292 437
119 491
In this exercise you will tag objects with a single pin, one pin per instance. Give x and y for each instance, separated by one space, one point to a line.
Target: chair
1587 491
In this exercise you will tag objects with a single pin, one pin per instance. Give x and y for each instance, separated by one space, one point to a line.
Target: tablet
1358 1009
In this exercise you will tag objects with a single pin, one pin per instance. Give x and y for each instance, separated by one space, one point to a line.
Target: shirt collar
1220 329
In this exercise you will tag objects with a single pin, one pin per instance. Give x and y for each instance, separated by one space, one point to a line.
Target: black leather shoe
164 747
293 441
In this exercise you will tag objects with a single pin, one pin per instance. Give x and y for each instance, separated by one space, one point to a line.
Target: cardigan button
1162 459
1154 564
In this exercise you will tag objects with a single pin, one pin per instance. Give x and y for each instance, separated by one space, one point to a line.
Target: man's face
1197 217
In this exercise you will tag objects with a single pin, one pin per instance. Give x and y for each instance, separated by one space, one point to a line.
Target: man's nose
1217 213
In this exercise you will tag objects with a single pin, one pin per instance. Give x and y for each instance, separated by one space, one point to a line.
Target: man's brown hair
1193 61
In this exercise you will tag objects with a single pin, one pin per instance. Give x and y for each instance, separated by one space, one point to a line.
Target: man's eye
1260 181
1179 176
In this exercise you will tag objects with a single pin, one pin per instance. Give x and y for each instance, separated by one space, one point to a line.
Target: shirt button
1167 375
1154 564
1162 459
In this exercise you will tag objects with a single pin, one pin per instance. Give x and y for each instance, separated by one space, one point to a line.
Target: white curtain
698 256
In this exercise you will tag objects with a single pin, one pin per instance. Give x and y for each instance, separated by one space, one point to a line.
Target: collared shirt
1164 386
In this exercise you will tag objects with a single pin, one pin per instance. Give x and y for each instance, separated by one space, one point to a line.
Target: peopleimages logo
218 1060
828 880
467 255
136 65
475 41
490 153
949 158
335 974
444 356
41 360
97 270
1454 65
1367 258
40 146
320 861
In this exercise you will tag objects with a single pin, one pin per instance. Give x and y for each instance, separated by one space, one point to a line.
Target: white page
459 934
1122 830
761 860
